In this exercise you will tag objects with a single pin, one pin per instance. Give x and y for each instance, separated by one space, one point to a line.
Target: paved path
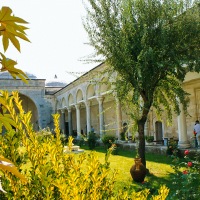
156 148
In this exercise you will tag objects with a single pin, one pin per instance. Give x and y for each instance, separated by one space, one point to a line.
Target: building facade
89 102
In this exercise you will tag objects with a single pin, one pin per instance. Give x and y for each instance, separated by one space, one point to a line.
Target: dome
6 75
56 82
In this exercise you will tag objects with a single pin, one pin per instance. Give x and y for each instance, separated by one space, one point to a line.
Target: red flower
185 172
189 164
186 152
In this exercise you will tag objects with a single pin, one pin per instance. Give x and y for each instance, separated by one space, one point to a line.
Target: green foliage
186 179
152 46
172 148
149 138
123 136
147 43
51 173
92 140
10 30
64 139
108 140
44 133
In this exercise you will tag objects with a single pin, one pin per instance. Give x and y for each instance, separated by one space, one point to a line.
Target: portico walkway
157 148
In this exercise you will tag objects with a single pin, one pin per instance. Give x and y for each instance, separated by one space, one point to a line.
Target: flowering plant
186 179
172 148
194 133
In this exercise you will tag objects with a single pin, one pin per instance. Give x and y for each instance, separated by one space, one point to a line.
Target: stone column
87 104
182 130
62 126
101 119
119 118
146 128
78 123
70 120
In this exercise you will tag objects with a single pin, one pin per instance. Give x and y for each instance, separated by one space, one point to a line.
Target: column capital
77 106
69 109
115 94
117 100
100 99
87 103
62 110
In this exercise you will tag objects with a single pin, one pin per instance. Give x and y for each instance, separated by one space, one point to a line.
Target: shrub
172 149
149 138
82 141
51 173
64 139
108 140
44 133
123 136
186 179
92 140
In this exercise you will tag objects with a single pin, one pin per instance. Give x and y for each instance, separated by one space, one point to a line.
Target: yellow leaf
17 30
5 123
22 36
5 159
14 41
8 166
8 65
10 28
5 42
2 28
4 12
10 62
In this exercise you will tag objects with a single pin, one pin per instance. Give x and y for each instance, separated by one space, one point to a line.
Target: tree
151 44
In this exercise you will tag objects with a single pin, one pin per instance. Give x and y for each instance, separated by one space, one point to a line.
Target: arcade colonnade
84 104
77 111
89 102
79 118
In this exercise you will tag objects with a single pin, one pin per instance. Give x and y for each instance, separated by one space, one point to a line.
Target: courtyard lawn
158 165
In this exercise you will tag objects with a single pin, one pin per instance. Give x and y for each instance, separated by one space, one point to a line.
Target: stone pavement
155 148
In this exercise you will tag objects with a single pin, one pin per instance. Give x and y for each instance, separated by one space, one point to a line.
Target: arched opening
70 100
159 131
29 105
104 86
90 91
79 96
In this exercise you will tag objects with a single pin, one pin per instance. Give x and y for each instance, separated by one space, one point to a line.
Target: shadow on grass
131 153
151 182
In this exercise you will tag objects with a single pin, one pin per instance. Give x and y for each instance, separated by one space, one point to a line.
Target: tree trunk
141 147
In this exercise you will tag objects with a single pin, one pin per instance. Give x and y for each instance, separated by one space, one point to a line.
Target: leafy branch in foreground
11 30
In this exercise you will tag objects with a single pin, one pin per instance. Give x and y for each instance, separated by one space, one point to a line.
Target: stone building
89 102
37 97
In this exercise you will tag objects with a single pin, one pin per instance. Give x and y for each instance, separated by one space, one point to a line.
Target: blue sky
57 38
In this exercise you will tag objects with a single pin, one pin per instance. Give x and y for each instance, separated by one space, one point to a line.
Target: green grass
158 165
